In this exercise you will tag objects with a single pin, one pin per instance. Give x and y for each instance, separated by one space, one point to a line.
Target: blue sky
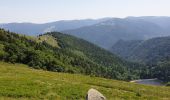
40 11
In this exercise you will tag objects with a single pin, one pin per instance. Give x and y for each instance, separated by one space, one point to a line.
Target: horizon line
75 19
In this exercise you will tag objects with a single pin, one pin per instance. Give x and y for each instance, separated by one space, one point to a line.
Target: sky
41 11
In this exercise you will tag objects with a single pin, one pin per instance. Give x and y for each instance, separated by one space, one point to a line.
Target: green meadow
20 82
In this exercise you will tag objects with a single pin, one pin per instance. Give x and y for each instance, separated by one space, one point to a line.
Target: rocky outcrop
93 94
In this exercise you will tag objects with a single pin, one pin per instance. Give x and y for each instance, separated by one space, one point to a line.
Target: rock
94 95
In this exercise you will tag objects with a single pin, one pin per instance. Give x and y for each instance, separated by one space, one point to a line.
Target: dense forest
64 53
154 53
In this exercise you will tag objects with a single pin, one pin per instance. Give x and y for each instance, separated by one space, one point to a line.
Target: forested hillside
153 52
124 48
70 55
150 51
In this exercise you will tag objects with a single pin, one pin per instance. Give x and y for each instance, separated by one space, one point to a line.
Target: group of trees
162 71
18 49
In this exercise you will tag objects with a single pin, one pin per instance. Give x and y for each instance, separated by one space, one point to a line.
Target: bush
168 84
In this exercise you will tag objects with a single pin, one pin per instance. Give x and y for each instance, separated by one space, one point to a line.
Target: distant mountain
163 22
106 33
36 29
102 32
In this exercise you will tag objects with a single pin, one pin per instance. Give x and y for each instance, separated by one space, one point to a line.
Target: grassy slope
20 82
49 39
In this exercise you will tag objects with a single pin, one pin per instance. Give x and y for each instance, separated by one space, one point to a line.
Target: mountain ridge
103 32
106 33
36 29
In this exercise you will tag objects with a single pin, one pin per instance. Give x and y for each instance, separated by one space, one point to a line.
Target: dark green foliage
138 94
153 52
162 71
168 84
73 56
125 48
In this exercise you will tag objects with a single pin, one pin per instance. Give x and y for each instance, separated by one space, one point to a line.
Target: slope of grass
18 82
48 39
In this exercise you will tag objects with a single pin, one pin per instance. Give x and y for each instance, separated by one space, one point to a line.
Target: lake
149 82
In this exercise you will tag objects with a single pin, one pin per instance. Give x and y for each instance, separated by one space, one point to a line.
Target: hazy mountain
163 22
106 33
103 32
35 29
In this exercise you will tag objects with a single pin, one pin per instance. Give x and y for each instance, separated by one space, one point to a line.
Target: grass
49 39
19 82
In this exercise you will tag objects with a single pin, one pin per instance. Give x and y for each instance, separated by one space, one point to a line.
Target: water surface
149 82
